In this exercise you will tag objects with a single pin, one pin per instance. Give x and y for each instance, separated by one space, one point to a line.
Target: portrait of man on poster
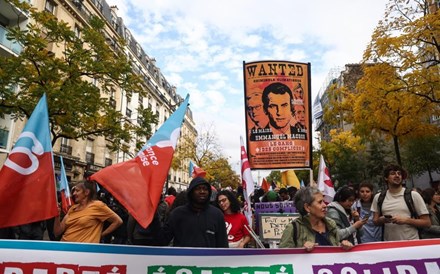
300 116
278 105
254 108
298 93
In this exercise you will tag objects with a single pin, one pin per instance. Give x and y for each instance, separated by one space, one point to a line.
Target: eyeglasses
222 200
251 108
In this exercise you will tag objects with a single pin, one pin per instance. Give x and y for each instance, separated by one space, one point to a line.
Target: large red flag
247 182
27 179
325 184
138 183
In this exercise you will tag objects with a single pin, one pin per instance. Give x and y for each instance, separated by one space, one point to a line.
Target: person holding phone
348 221
370 232
400 224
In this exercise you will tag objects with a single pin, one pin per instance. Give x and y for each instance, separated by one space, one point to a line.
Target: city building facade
86 156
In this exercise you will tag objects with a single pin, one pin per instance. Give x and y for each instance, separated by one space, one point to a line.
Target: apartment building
84 157
10 16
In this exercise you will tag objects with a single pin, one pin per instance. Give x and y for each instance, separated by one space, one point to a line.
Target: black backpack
409 203
408 200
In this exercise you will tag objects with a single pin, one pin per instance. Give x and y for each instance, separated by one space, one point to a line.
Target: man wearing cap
198 223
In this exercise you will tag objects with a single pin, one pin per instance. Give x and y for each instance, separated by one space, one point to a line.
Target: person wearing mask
346 219
312 227
85 219
236 223
197 223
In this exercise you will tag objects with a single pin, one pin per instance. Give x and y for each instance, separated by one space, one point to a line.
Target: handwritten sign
272 225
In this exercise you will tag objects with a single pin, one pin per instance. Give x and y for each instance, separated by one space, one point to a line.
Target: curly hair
343 194
394 167
235 204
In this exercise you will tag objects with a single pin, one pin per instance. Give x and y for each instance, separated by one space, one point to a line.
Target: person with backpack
400 211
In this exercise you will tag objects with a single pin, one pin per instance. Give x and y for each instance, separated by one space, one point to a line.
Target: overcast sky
200 46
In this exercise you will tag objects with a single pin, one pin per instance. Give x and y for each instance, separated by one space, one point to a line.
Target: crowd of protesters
203 216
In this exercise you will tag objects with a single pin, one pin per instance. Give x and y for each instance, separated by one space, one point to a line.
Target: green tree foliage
303 175
274 176
345 156
77 72
422 154
377 154
219 171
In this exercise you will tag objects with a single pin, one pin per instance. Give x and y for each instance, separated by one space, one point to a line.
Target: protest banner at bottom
38 257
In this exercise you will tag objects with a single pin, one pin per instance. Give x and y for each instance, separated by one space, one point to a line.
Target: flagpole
255 236
258 176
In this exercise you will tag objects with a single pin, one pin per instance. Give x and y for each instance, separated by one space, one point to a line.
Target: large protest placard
278 114
29 257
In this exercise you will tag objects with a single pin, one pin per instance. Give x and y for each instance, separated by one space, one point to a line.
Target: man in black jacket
196 224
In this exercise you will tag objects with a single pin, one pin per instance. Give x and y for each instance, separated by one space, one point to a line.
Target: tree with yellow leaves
379 108
408 39
400 88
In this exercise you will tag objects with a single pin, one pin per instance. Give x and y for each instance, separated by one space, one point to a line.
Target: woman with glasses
236 223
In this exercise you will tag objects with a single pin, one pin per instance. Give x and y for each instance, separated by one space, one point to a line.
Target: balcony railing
90 158
66 149
14 46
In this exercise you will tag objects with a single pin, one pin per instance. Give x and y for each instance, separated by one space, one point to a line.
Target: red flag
27 179
66 200
325 184
247 182
195 170
265 185
138 183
